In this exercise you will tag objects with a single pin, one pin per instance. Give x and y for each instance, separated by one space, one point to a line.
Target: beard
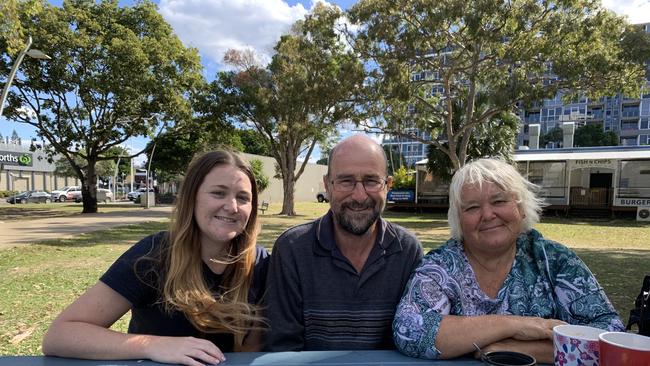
357 223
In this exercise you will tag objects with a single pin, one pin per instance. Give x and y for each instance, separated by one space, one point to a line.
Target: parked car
103 195
322 197
135 194
73 196
66 193
30 197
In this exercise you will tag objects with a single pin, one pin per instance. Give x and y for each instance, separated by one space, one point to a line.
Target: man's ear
389 182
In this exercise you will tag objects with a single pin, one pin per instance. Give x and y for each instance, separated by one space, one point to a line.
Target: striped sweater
316 300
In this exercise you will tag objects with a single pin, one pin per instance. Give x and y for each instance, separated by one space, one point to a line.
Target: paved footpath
19 232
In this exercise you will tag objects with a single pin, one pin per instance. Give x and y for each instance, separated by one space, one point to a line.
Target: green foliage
403 179
394 157
175 149
298 100
254 143
429 54
555 135
12 33
103 168
261 179
115 73
166 198
593 135
494 137
8 193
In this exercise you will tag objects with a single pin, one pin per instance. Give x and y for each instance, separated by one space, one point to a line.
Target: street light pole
117 168
34 53
149 172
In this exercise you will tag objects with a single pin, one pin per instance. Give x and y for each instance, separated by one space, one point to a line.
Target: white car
135 194
66 193
103 195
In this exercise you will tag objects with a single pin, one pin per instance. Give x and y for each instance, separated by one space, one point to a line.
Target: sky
213 26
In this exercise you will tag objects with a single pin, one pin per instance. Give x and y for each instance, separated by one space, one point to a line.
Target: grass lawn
37 281
32 211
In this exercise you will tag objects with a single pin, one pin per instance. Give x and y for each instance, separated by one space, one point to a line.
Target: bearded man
334 283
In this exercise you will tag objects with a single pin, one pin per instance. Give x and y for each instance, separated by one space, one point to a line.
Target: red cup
620 349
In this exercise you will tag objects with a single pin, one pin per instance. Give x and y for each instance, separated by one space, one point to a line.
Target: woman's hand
528 328
188 351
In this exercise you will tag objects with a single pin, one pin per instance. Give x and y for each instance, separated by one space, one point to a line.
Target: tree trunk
89 189
288 187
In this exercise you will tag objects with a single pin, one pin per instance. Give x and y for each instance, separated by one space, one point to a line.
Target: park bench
264 206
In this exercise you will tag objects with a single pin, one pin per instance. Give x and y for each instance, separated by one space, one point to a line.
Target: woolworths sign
14 158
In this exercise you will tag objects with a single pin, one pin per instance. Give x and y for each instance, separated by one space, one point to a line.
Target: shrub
403 179
166 198
261 180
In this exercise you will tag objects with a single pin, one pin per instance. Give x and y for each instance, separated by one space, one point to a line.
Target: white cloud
637 11
214 26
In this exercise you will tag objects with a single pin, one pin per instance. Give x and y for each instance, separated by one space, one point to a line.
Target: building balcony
631 132
630 101
630 119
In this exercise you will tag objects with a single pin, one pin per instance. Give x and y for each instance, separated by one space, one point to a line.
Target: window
550 176
645 107
644 123
644 140
629 141
626 126
630 111
634 180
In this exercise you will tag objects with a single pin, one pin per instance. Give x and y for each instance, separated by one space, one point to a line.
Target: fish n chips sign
13 158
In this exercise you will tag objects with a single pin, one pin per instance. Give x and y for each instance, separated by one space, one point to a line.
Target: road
16 232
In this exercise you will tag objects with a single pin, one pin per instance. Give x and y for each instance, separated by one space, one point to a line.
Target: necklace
489 280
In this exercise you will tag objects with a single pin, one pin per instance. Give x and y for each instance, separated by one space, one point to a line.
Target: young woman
192 291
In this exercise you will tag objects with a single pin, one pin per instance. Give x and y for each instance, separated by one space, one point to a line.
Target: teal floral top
546 280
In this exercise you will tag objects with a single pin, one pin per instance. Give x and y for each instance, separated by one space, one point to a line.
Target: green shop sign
14 158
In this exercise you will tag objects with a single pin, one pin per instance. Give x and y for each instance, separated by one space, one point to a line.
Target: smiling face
223 205
490 218
357 159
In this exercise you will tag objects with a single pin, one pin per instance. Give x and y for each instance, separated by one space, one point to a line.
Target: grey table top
319 358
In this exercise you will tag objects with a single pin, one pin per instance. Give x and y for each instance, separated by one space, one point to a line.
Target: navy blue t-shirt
141 289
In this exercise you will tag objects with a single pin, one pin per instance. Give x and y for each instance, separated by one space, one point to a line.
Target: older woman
497 283
192 291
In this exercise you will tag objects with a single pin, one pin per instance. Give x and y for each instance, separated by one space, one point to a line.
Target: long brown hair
184 287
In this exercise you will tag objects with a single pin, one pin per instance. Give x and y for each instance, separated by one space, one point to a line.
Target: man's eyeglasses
369 184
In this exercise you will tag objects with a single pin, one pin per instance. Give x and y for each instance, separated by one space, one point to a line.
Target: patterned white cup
576 345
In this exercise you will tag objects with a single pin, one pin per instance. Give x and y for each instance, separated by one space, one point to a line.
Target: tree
254 143
175 149
105 169
11 30
555 135
394 157
495 137
300 97
261 179
430 54
115 73
593 135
